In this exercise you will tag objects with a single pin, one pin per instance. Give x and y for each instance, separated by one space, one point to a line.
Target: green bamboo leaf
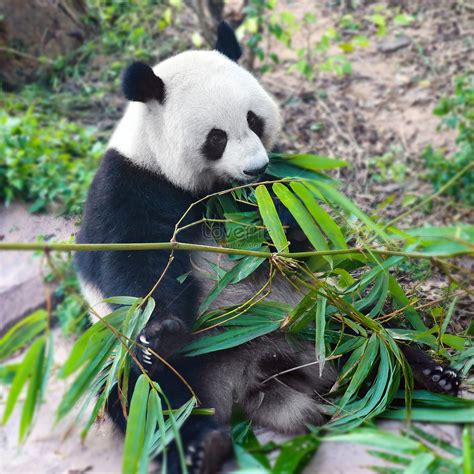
92 342
379 439
123 300
362 370
323 219
320 321
33 394
135 434
295 454
302 217
23 332
467 447
401 301
420 463
456 342
231 337
238 272
270 218
84 380
152 412
334 196
433 415
22 375
313 162
435 440
303 312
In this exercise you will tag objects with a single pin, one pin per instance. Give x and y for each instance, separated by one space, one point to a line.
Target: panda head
198 118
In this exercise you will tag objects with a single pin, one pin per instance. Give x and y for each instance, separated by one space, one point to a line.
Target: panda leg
206 441
430 375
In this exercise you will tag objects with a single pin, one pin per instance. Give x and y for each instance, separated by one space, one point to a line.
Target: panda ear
227 43
140 84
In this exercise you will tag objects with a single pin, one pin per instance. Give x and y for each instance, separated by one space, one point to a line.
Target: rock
32 29
394 43
21 280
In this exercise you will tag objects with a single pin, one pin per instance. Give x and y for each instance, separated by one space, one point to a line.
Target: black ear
227 43
140 84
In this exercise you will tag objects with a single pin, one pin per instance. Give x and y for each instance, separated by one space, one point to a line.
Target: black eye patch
215 144
256 123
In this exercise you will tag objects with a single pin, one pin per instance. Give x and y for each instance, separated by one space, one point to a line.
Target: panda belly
246 375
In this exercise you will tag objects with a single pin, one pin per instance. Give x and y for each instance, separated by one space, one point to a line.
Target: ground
383 109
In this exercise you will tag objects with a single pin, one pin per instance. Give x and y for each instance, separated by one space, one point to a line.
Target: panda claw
143 339
441 379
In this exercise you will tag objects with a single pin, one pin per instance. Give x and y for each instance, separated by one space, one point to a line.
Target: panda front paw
441 379
207 454
164 337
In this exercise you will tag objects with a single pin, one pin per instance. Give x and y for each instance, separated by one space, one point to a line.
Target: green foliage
46 164
131 27
71 310
414 451
457 112
264 22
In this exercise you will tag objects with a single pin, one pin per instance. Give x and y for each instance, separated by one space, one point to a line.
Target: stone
21 276
393 43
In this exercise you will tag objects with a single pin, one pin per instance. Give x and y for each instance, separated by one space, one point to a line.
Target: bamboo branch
183 246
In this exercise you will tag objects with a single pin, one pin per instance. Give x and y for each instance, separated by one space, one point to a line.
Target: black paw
206 455
441 379
163 337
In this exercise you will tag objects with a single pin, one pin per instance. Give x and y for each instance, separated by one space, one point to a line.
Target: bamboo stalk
70 247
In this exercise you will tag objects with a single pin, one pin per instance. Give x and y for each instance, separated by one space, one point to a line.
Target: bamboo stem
69 247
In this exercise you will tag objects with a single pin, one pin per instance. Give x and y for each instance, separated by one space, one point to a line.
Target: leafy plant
264 25
457 112
46 164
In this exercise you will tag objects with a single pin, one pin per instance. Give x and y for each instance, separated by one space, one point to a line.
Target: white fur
94 299
203 90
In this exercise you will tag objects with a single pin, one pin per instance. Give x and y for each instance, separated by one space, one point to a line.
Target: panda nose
256 171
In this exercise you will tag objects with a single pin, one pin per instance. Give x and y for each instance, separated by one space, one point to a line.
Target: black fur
140 84
256 123
227 42
130 204
215 144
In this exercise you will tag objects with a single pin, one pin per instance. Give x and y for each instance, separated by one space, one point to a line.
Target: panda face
202 120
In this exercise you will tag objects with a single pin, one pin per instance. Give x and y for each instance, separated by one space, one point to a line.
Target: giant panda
195 123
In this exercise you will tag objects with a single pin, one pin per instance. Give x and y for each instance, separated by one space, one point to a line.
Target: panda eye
255 123
215 144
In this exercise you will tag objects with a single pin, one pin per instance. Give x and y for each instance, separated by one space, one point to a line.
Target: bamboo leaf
22 333
378 439
135 433
323 219
362 370
302 217
33 393
231 337
123 300
420 463
22 375
295 453
433 415
334 196
320 332
270 218
313 162
237 273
